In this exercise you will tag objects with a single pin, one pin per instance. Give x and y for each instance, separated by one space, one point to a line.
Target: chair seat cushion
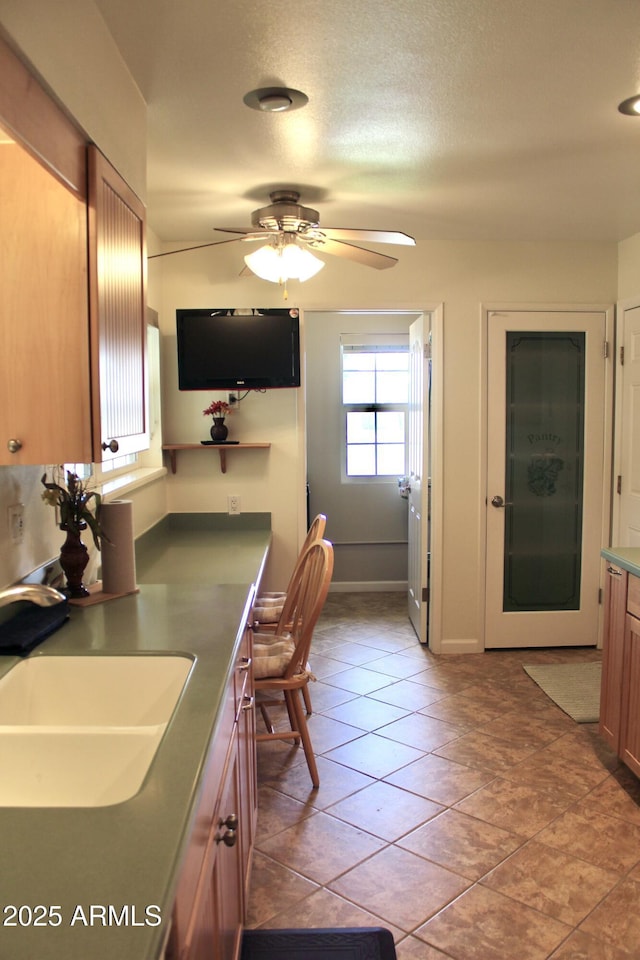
268 607
268 613
271 655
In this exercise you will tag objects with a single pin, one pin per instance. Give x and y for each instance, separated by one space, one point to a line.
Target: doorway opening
368 515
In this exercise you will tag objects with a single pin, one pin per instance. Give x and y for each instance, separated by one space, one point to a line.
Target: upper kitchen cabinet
72 288
45 413
117 302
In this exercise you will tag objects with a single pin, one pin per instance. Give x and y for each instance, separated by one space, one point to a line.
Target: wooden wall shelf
222 448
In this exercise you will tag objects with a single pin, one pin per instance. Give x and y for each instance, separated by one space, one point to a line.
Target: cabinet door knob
229 836
14 445
113 445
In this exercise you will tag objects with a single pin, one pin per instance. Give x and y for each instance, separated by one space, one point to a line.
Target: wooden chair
280 659
268 606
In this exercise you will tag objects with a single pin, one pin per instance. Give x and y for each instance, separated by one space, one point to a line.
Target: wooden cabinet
72 374
629 749
45 414
615 598
117 304
209 910
620 691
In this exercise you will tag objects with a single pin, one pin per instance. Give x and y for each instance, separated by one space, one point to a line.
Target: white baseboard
473 645
368 586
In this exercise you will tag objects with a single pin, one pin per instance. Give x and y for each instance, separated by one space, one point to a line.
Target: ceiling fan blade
201 246
232 230
370 236
367 257
265 235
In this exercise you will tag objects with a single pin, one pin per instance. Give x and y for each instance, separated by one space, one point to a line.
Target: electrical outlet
232 398
233 504
15 516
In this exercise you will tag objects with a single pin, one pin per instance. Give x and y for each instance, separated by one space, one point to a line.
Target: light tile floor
458 806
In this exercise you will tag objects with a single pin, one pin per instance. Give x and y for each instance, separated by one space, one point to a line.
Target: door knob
499 502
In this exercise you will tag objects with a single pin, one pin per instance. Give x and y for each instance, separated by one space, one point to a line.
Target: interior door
628 434
545 477
418 472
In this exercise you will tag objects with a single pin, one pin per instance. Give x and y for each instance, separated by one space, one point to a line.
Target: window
375 396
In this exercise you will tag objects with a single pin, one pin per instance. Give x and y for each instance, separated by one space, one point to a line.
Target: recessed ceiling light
275 99
631 106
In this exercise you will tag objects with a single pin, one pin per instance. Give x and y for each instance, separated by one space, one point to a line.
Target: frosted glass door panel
545 383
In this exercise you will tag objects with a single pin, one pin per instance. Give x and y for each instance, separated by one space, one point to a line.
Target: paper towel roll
118 556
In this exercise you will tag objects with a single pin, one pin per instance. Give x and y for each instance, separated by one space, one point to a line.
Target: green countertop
626 557
195 574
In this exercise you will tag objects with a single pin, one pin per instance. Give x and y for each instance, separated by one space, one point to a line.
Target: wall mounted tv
227 349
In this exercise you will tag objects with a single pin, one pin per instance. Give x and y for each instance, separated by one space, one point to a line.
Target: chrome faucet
38 593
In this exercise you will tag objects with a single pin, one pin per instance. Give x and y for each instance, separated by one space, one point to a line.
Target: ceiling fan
291 232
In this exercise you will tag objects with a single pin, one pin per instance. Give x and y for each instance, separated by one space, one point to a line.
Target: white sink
74 767
83 731
93 690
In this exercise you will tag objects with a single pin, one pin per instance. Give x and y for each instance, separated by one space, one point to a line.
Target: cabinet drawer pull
614 572
245 663
248 702
13 446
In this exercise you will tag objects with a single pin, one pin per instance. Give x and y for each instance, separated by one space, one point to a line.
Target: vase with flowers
79 508
218 409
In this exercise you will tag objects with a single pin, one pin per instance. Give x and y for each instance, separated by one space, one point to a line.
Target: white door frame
622 306
437 470
485 311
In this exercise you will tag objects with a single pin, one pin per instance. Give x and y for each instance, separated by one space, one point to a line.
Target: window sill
116 487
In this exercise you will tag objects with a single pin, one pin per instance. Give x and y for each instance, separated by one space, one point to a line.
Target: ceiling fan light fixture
283 262
275 99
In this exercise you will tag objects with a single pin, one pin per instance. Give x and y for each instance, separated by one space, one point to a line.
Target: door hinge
605 349
622 356
427 351
619 484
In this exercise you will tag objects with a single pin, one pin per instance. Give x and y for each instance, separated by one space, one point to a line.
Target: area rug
574 687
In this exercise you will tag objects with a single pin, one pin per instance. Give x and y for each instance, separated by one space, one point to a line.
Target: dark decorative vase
219 432
74 558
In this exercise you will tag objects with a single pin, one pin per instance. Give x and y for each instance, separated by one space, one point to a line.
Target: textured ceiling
449 119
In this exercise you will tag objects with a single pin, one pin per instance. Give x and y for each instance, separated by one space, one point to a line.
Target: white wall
629 268
271 480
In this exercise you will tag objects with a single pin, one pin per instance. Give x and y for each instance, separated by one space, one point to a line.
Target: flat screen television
227 349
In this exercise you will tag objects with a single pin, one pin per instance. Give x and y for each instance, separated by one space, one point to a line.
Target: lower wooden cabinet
209 910
629 749
615 598
620 691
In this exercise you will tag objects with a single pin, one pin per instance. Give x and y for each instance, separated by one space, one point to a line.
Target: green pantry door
546 467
